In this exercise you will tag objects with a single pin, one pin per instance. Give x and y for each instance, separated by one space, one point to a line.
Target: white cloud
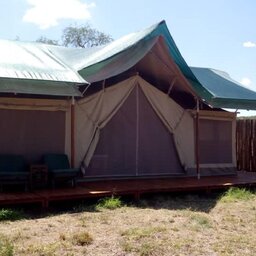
47 13
246 81
249 44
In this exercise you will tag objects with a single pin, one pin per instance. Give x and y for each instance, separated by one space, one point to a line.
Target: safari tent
147 113
138 108
134 129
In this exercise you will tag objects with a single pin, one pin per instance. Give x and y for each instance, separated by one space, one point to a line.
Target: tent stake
197 140
72 132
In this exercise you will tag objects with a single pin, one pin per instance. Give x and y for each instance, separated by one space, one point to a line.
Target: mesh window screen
32 133
115 152
215 141
157 153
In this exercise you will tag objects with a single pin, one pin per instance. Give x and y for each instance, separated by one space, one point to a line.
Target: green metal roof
46 69
223 91
32 68
38 87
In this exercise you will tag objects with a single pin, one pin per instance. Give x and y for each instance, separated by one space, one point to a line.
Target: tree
84 36
45 40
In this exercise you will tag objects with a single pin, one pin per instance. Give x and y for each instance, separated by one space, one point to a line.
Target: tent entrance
135 142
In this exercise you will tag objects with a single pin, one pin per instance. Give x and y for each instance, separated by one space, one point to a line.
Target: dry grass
188 225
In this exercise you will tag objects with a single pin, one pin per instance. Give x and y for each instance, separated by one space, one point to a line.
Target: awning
218 89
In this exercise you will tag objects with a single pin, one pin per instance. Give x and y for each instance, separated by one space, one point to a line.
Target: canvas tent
134 129
145 124
144 113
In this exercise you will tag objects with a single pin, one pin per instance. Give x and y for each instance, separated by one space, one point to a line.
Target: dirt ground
161 225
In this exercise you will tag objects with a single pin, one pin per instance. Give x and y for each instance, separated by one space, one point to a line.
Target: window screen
215 141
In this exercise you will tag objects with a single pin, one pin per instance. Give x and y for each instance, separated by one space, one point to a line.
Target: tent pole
171 85
137 130
197 140
73 132
87 87
103 84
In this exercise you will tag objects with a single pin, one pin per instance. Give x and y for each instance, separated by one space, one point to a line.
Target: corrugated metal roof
30 65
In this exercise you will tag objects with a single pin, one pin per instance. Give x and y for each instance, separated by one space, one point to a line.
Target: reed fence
246 144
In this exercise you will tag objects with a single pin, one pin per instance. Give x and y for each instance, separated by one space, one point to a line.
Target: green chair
59 169
13 170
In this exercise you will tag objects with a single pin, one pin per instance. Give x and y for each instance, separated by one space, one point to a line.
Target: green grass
236 194
201 220
139 233
172 225
109 203
6 247
8 214
143 240
149 249
42 249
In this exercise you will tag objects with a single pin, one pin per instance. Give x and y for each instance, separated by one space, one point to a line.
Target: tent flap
177 120
93 113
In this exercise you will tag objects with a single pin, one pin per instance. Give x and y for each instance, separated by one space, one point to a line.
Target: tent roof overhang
136 46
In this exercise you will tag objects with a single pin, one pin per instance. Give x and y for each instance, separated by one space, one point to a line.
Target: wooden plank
90 189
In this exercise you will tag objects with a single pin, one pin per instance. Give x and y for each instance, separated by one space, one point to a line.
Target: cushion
12 163
56 161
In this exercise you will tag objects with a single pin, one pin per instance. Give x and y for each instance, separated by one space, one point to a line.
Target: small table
38 176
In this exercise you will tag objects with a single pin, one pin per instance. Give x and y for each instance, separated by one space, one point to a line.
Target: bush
237 194
109 203
8 214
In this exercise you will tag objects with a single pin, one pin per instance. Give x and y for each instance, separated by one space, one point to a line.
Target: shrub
109 203
8 214
237 194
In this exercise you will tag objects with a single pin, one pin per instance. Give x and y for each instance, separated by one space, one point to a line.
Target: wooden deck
134 187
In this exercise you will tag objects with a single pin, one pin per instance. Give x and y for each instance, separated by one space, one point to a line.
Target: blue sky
218 34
